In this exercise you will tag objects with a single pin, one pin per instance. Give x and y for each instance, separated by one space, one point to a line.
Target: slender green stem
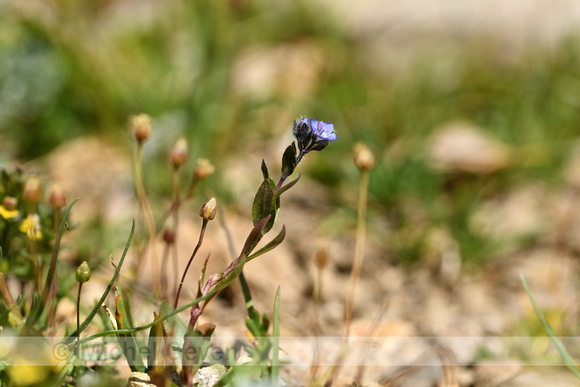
359 249
245 288
147 217
78 319
199 242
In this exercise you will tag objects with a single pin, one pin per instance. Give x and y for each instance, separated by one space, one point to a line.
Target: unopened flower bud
208 210
141 127
57 198
32 190
363 157
204 169
178 154
321 259
169 236
83 272
9 203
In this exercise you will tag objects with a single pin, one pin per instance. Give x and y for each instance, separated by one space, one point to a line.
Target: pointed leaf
264 205
255 236
287 186
265 172
271 245
289 160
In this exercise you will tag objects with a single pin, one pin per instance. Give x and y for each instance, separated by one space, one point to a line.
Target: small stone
139 379
209 376
462 147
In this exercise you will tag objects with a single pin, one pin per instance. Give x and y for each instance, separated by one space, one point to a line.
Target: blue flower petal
328 131
313 124
323 130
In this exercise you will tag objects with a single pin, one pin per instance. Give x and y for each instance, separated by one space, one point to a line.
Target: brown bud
178 154
204 169
32 190
9 203
141 127
363 157
208 210
57 198
169 236
83 272
321 258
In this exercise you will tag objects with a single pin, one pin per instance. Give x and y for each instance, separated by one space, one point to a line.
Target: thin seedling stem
359 249
199 242
147 216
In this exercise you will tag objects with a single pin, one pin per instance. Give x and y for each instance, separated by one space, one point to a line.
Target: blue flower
323 130
313 135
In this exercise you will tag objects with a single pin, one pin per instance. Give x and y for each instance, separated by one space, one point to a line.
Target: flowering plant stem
199 242
147 215
359 249
78 319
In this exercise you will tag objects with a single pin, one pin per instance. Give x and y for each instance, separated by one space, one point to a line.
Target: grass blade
52 266
563 352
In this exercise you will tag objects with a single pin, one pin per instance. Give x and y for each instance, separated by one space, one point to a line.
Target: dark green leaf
289 160
265 172
264 205
271 245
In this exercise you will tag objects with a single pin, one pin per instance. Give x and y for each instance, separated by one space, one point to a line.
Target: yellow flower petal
8 214
31 226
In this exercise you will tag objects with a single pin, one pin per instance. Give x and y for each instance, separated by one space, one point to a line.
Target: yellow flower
7 214
8 208
31 226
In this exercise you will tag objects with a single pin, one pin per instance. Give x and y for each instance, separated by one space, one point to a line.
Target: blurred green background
231 76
